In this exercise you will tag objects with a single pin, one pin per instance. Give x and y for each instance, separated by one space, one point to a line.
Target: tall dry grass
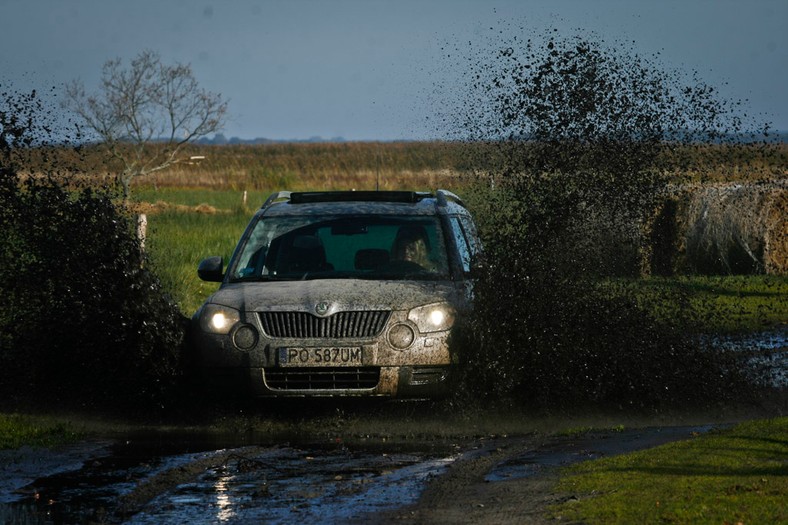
360 166
389 165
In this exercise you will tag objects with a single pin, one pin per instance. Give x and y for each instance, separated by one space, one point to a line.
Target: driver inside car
411 245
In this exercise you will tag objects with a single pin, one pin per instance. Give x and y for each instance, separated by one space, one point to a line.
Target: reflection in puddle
283 485
768 353
237 485
224 511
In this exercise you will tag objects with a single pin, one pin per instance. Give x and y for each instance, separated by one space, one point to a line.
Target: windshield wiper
261 278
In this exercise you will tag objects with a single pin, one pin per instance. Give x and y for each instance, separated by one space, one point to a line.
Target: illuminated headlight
218 319
433 317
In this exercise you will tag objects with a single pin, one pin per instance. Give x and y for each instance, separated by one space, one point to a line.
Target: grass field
197 209
719 303
731 476
388 165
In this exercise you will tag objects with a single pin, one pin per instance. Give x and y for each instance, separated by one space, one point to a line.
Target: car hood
335 294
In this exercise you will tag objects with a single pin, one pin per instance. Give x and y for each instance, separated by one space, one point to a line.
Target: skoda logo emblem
321 308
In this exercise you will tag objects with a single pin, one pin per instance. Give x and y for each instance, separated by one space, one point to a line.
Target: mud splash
574 144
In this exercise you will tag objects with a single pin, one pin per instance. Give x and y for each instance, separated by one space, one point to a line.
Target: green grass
178 239
736 302
177 243
17 430
224 200
718 304
734 476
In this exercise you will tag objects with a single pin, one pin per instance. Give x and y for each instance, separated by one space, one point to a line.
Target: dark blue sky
365 69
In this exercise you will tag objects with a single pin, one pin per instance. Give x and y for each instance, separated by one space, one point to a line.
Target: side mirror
210 269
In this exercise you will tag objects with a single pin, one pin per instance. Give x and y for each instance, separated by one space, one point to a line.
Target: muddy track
481 481
466 495
142 494
511 480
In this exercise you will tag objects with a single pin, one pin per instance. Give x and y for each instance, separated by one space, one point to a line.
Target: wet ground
166 478
769 351
208 477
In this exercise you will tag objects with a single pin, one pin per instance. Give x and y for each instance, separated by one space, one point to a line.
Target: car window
462 243
368 247
471 235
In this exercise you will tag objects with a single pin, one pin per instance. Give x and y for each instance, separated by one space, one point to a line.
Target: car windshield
360 247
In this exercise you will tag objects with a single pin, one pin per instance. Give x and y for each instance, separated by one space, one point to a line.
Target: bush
82 318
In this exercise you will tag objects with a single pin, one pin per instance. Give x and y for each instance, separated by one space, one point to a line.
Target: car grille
322 378
341 325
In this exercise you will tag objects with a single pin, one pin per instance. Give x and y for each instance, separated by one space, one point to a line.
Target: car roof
362 203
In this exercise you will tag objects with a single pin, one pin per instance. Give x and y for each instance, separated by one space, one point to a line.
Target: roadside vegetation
82 321
18 430
729 476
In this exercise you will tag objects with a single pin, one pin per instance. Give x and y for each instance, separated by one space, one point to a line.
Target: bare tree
146 113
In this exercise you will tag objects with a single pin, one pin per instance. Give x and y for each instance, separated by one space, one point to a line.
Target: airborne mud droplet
574 146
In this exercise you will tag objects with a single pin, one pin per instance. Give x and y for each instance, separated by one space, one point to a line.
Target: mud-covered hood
334 295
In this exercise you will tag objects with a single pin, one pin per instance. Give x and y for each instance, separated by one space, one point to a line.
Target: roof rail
274 197
444 196
357 196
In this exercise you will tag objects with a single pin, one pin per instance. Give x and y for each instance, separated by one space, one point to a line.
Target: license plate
324 356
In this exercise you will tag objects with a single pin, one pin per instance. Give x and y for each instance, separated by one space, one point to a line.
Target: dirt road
511 480
165 478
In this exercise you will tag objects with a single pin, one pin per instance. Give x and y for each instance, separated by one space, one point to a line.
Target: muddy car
339 294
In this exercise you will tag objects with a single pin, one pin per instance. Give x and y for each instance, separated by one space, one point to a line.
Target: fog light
245 337
401 336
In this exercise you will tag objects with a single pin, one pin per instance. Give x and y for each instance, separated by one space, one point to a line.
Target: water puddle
137 484
286 485
767 351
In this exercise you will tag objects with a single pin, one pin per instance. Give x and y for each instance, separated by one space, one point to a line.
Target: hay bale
775 250
206 209
735 229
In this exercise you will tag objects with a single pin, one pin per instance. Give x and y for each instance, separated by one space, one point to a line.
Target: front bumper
267 368
383 381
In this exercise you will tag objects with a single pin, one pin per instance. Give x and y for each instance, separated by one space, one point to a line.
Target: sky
365 69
